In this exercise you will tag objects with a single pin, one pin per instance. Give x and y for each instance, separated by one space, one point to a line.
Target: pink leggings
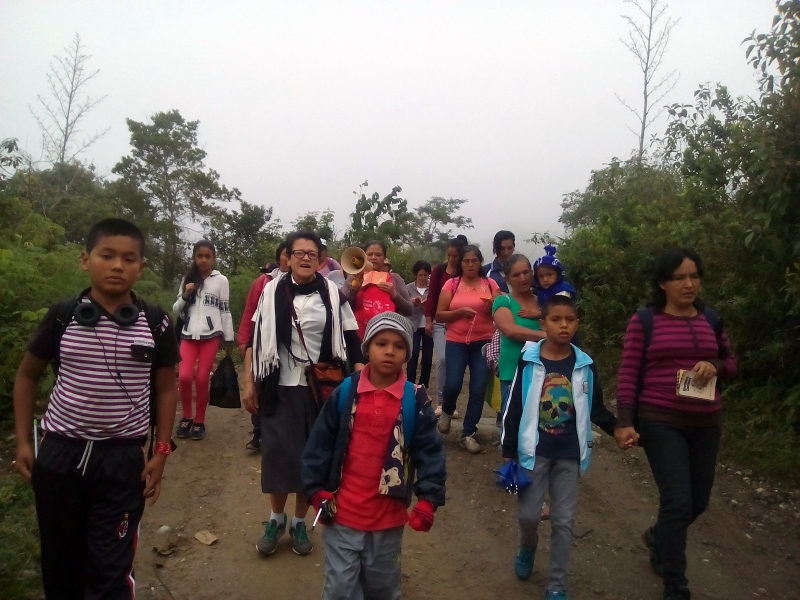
202 352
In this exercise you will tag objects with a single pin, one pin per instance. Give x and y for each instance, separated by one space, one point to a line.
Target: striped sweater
677 343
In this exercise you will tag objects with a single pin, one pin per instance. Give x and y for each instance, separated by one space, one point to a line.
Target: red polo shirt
359 503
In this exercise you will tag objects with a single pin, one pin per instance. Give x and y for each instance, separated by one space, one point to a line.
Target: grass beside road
20 576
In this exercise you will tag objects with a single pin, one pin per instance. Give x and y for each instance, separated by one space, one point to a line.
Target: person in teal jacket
547 428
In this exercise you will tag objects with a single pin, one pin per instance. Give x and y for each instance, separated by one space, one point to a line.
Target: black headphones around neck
89 313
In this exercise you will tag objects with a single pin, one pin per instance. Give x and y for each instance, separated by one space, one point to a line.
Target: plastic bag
225 385
511 478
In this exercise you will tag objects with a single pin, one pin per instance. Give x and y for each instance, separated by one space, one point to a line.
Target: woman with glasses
375 291
465 305
301 318
680 434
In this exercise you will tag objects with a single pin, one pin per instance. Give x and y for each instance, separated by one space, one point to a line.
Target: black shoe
254 444
649 539
198 432
184 427
677 593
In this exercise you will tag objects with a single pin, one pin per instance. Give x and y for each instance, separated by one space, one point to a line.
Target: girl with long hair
203 303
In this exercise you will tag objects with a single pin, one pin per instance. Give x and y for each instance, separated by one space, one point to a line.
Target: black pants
683 460
256 422
88 519
426 341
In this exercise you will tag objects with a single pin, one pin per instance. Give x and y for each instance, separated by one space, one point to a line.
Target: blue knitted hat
549 260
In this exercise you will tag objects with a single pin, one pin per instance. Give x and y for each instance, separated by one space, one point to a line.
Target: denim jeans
459 357
683 460
426 341
439 342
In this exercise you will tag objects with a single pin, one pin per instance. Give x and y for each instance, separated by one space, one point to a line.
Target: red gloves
421 518
328 508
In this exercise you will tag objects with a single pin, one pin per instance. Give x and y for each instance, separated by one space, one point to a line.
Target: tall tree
649 31
10 158
319 223
432 225
245 239
166 173
387 219
67 105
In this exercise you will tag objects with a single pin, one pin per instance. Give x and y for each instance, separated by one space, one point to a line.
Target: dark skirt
284 434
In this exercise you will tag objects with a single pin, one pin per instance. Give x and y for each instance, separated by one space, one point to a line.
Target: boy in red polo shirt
359 464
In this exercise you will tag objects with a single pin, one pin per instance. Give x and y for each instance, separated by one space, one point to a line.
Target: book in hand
687 388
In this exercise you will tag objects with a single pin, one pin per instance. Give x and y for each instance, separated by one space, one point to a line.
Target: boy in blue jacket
547 428
358 467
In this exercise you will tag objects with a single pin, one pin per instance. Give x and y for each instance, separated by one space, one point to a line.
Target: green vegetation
728 184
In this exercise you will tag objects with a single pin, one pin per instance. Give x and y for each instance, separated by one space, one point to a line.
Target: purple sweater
677 343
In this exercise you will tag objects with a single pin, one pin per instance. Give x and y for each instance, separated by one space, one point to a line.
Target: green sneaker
523 563
301 545
268 543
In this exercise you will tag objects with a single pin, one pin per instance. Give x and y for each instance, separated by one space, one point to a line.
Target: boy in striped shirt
90 476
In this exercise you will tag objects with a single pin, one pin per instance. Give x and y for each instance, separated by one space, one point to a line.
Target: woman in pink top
465 305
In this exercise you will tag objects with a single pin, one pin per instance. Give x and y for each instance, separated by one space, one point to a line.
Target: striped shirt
102 391
677 343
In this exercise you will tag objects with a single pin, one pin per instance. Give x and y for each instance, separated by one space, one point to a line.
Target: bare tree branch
66 106
648 38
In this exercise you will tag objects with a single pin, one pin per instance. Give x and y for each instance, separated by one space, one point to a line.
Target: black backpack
154 315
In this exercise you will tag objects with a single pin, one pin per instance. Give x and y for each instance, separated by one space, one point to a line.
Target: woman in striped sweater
680 435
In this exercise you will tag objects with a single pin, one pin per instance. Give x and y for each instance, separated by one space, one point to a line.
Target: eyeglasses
312 254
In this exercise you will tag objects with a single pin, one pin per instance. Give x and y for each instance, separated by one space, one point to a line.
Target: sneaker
443 425
184 426
523 564
556 595
198 432
438 412
470 444
268 543
677 593
649 539
254 444
301 545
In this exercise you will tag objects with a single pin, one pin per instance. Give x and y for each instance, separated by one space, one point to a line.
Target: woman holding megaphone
372 291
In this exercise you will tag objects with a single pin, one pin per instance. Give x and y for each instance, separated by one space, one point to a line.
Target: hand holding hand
626 437
421 517
704 371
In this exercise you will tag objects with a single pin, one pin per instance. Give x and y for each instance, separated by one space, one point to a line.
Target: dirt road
746 546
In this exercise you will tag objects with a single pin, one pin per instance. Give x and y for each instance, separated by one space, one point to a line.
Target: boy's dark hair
193 274
500 237
421 265
558 300
302 235
463 238
511 261
284 245
113 227
666 264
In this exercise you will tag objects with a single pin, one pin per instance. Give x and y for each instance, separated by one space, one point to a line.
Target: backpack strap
646 319
409 406
64 311
409 412
715 321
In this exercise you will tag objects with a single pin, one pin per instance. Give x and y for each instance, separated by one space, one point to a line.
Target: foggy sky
507 104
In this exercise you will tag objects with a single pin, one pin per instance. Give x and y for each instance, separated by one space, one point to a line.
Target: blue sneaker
523 564
559 595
